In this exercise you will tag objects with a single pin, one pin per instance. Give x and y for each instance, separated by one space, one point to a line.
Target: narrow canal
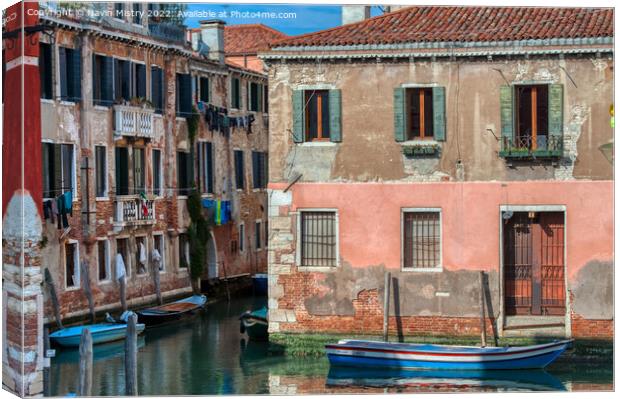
206 355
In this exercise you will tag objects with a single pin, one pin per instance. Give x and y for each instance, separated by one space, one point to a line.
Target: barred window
318 238
422 240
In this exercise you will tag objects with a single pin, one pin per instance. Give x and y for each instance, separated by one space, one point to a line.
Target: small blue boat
255 324
442 357
104 332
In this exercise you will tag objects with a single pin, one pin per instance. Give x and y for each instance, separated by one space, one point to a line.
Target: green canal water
207 355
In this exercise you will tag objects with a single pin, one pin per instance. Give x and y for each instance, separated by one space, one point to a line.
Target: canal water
207 355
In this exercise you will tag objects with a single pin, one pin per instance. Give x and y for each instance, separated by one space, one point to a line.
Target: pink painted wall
369 214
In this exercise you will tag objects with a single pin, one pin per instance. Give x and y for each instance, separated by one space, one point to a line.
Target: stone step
530 326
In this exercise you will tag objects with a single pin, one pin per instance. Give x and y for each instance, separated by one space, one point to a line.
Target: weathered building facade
134 118
435 143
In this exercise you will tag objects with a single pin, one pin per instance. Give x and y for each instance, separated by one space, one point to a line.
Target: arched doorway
212 257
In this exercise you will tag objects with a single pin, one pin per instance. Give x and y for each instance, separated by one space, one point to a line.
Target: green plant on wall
198 232
192 125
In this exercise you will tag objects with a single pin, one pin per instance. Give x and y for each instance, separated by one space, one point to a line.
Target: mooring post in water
56 305
156 264
46 362
86 364
386 304
131 357
122 292
483 332
226 280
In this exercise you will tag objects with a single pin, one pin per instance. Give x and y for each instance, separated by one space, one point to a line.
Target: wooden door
534 264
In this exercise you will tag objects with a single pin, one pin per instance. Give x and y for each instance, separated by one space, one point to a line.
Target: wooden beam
86 364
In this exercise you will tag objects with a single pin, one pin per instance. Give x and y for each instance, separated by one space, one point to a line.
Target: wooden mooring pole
52 287
85 271
483 332
386 304
85 384
46 362
131 357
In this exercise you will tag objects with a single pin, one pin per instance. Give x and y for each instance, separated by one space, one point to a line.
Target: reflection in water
207 355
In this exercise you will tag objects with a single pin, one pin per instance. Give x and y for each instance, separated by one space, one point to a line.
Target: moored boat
171 311
358 353
101 333
255 324
259 281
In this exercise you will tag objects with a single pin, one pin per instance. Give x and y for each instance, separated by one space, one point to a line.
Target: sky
294 19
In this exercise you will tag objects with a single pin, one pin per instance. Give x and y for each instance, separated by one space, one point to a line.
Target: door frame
532 208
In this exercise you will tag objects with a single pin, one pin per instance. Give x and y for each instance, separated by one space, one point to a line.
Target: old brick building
435 143
118 95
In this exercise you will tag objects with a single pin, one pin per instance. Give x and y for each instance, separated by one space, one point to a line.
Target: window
204 89
139 80
103 78
239 170
137 10
420 113
142 255
122 248
139 181
101 170
184 94
58 169
184 169
257 234
265 99
45 70
256 96
318 236
317 115
159 245
70 68
72 265
259 169
122 170
183 251
236 93
122 84
157 89
157 172
422 239
531 116
205 167
119 10
266 233
241 237
103 260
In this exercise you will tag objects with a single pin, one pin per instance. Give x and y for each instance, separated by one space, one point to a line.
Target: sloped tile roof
464 24
249 39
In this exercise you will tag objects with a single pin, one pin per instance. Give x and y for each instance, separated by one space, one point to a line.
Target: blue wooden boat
171 311
255 324
359 353
260 284
104 332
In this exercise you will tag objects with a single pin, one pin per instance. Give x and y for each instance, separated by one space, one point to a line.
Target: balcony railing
131 210
133 121
524 147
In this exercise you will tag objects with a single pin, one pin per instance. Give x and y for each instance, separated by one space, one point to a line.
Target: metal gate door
534 264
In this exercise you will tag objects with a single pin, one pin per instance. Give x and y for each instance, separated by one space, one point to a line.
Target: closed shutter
125 79
506 104
122 171
259 102
186 96
62 67
255 170
439 113
335 119
76 75
107 82
556 111
141 77
400 115
298 116
156 86
209 168
57 187
190 170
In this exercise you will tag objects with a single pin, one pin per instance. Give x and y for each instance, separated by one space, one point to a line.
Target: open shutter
141 72
209 168
298 116
62 67
400 115
107 81
439 113
335 120
190 170
259 93
255 170
556 111
506 111
76 79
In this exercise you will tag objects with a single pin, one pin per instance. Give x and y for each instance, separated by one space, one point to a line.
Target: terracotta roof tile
465 24
249 39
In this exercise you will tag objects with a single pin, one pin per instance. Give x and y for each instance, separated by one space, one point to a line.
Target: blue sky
308 18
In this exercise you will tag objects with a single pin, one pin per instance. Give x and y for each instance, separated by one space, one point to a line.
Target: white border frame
438 268
260 238
312 268
108 260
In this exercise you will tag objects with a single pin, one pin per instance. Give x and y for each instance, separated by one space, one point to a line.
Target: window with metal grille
101 170
239 170
422 240
103 253
58 169
318 238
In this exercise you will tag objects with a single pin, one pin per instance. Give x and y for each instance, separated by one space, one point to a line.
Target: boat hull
255 324
403 356
172 311
100 333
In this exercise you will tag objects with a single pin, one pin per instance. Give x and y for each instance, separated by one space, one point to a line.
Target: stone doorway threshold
531 326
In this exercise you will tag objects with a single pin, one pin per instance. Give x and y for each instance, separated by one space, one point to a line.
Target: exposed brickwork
581 327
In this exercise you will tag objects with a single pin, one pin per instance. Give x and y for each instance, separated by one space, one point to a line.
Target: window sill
104 282
527 154
422 269
67 102
101 199
323 269
420 142
48 101
101 108
317 144
182 197
74 288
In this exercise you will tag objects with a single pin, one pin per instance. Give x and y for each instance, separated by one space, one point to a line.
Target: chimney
354 13
212 35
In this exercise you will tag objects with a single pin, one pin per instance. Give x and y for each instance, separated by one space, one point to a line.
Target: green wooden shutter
439 113
335 118
506 111
556 110
298 116
62 67
76 79
400 115
259 102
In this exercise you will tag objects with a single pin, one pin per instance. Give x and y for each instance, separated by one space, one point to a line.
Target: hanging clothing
142 254
68 198
120 267
156 257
